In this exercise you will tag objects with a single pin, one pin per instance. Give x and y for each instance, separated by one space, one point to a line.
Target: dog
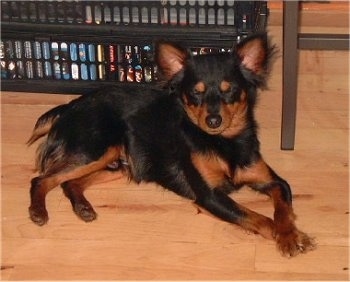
196 135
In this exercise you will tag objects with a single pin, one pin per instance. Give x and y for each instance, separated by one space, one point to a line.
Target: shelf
74 46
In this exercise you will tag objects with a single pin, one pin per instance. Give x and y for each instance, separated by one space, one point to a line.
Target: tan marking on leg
257 173
290 240
213 169
252 222
97 177
56 179
74 190
258 223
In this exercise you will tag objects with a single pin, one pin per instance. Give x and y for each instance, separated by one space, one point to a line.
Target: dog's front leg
219 204
207 185
290 241
211 187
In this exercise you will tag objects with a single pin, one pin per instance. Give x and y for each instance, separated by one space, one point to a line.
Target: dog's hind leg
41 185
74 190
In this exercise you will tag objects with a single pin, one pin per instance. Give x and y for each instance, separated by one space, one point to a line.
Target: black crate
72 46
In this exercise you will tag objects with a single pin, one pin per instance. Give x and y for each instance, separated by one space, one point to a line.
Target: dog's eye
197 93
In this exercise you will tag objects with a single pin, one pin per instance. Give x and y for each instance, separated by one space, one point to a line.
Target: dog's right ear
170 58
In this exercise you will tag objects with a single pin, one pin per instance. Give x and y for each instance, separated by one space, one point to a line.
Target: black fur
196 137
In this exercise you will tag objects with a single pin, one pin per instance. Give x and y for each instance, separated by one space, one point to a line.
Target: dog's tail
44 123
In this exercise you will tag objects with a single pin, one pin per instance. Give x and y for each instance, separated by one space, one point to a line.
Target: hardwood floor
146 233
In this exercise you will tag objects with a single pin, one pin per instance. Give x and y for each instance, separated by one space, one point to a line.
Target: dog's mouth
213 131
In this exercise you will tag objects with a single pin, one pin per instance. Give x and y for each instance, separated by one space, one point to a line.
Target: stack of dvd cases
73 46
24 59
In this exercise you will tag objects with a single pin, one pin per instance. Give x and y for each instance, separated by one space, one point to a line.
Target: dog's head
217 90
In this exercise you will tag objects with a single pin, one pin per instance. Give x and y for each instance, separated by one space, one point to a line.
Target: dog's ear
254 52
170 58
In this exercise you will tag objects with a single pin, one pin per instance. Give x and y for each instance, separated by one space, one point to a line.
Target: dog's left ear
170 58
254 52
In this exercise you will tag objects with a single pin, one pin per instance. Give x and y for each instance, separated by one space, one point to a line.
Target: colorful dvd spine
92 59
136 63
101 62
120 60
3 71
146 61
112 73
77 61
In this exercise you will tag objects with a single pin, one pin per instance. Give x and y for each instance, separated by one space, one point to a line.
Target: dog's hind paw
38 215
294 243
85 212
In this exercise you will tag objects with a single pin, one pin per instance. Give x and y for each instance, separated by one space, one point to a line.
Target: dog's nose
213 121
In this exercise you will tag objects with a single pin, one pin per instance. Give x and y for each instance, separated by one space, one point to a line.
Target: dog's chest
212 168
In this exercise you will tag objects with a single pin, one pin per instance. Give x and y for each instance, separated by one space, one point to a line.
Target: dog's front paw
294 242
38 215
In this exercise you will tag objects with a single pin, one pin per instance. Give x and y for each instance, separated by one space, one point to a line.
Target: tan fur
112 154
258 172
233 117
212 168
40 131
225 86
200 87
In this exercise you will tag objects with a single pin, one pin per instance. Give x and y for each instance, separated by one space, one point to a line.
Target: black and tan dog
196 136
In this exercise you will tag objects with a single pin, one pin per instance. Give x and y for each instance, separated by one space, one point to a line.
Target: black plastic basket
73 46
